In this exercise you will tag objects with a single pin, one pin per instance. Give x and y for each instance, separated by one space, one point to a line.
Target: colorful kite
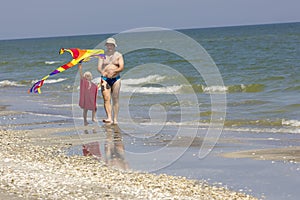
78 55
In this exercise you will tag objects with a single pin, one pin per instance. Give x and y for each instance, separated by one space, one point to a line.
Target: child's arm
80 70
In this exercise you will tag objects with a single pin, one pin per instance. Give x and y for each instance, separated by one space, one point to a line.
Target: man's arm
121 64
100 64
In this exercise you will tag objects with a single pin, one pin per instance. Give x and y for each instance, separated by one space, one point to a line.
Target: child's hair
88 75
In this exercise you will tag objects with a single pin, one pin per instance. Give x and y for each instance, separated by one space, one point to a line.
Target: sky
40 18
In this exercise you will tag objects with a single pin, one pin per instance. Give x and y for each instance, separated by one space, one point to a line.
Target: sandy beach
36 163
34 166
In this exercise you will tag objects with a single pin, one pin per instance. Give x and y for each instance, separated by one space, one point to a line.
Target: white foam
48 115
265 130
51 62
55 80
7 83
134 85
215 89
60 105
51 80
201 125
145 80
294 123
153 90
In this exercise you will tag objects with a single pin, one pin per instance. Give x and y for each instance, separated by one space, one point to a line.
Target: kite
78 55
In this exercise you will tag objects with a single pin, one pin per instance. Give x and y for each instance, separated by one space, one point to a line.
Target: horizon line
176 29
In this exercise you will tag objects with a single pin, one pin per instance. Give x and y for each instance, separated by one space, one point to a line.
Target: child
88 95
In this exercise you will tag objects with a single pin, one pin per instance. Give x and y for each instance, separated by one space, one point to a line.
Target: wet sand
287 154
34 166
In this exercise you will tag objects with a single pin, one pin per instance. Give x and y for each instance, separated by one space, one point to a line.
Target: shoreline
45 144
34 166
285 154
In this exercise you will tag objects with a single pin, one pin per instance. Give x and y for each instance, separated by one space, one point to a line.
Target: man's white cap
111 41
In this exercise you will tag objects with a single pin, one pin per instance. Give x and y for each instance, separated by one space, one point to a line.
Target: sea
231 83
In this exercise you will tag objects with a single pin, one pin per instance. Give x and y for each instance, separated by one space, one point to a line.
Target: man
110 67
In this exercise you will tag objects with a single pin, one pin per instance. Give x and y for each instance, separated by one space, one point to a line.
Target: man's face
110 47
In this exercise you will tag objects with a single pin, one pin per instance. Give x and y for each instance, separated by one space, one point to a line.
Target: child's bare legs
85 117
94 119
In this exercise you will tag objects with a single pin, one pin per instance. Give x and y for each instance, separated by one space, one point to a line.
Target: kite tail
36 88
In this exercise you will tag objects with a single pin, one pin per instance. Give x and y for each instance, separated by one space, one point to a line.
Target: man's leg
106 94
115 99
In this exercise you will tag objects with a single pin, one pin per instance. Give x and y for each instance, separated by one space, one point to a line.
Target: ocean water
259 66
163 94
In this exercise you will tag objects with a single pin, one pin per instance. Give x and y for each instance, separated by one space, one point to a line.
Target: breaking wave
7 83
168 85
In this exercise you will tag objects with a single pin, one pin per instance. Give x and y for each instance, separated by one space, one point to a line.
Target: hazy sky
40 18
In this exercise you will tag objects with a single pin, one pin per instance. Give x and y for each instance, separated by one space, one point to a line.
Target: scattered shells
33 171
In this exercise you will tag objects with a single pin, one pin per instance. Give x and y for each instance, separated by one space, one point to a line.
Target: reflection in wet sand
92 149
113 147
